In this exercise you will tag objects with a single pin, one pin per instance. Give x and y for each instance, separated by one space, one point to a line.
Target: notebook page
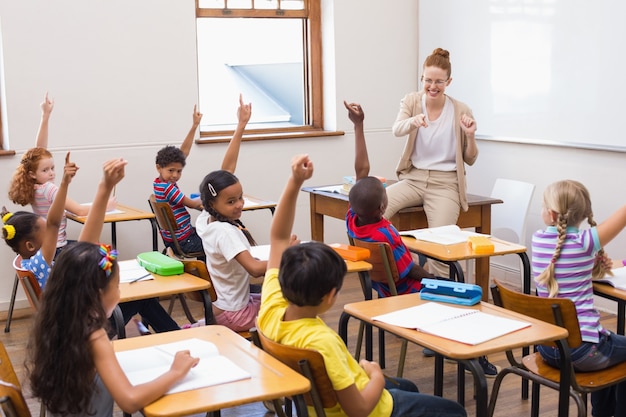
423 315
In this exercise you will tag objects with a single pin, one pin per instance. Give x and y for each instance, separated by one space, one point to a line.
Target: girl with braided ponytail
565 260
227 243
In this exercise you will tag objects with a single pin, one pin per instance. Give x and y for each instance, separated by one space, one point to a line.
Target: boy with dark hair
306 285
365 221
170 162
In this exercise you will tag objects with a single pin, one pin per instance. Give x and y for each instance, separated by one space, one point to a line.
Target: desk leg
480 385
317 221
343 327
155 234
526 288
113 235
438 388
366 286
621 310
482 276
456 272
209 318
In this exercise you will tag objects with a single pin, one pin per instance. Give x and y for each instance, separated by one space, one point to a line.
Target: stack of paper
463 325
443 235
146 364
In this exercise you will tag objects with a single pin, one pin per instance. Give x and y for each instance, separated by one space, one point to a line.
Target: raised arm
361 158
55 214
42 134
113 173
188 141
280 232
232 152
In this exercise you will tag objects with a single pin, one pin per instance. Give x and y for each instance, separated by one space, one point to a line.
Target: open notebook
618 280
463 325
443 235
145 364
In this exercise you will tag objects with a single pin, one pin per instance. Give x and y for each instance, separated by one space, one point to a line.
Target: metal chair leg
7 328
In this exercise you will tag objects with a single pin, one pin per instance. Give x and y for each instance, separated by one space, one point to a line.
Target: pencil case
450 292
160 264
480 244
351 253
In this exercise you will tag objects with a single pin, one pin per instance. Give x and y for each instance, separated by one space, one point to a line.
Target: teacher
441 140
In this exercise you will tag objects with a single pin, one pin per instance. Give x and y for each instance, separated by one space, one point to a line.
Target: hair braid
600 269
547 277
237 223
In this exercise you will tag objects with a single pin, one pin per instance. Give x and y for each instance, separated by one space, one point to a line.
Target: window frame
313 101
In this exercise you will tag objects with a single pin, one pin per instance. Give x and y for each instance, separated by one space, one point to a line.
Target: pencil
140 278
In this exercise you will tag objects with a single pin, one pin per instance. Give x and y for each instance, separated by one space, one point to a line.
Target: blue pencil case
451 292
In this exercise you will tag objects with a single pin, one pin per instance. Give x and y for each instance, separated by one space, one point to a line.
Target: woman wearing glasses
440 142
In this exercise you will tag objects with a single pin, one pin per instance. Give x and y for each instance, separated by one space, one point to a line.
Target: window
268 50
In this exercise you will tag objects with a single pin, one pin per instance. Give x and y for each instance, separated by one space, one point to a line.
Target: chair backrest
558 311
199 269
309 363
12 400
508 220
384 268
166 221
29 283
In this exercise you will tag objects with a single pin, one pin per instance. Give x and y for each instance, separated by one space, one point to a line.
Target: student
226 240
565 259
71 364
34 239
33 180
306 285
365 221
170 162
441 139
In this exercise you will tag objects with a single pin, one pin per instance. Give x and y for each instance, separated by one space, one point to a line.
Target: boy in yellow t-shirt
306 285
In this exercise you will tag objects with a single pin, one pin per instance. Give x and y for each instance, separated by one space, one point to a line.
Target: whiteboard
537 71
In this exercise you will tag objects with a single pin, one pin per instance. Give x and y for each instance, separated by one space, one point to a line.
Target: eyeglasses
438 83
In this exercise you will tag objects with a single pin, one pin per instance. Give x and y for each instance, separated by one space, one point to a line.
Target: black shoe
489 368
429 353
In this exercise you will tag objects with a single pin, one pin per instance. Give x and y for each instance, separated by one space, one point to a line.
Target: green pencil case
160 264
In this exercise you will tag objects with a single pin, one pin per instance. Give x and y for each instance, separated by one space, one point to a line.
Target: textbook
443 235
463 325
145 364
618 280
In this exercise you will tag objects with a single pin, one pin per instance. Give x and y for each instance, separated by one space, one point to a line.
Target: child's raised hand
183 362
47 105
355 112
69 170
301 168
114 171
294 240
244 111
197 116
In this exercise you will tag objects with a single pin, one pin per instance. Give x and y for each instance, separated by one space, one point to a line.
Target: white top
435 145
222 242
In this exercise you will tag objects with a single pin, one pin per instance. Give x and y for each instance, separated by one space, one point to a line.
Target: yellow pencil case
480 244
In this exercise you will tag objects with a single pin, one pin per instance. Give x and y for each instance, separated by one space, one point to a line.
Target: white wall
370 57
91 57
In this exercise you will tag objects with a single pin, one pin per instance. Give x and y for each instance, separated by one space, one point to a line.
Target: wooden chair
166 221
309 363
12 400
384 269
569 383
33 293
199 269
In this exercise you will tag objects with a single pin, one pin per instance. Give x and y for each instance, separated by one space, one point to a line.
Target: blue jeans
610 350
408 402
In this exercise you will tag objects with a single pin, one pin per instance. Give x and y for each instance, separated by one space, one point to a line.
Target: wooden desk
254 203
128 214
271 379
162 286
619 296
451 254
478 215
539 332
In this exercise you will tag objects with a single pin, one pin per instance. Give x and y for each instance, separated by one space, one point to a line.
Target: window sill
7 153
206 138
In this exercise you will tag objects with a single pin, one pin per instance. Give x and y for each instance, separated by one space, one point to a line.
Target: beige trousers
437 191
